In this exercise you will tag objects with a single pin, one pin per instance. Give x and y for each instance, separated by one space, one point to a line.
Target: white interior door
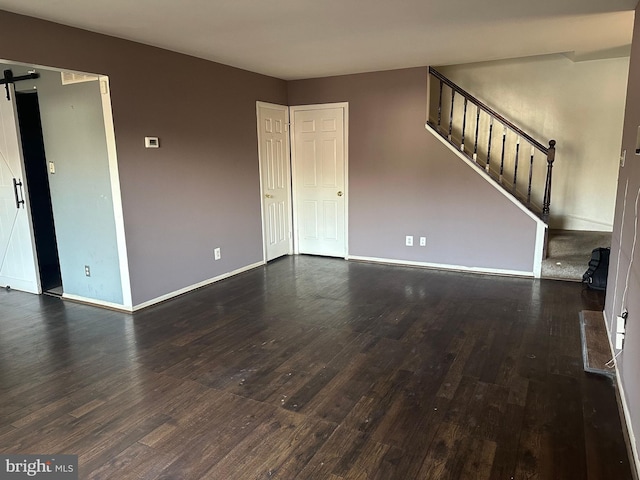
18 268
319 186
273 153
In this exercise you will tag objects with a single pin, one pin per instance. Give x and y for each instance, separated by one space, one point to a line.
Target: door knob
269 196
339 194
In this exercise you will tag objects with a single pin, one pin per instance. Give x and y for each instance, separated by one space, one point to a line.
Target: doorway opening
35 164
60 189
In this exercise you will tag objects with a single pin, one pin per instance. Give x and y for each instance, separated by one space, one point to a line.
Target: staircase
513 159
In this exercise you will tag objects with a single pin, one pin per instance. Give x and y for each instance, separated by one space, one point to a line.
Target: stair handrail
489 110
549 151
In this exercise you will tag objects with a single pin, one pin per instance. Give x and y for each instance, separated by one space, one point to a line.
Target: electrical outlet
87 270
408 241
423 241
216 253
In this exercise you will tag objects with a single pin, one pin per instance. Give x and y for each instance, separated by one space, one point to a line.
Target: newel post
546 203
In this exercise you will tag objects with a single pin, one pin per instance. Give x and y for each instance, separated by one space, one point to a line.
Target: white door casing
116 195
319 165
18 263
275 179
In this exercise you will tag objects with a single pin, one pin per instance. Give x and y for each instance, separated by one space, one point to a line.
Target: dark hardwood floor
315 368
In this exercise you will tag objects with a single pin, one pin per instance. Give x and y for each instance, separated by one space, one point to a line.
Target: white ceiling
293 39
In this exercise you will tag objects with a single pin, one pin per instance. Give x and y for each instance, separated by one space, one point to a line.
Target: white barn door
18 267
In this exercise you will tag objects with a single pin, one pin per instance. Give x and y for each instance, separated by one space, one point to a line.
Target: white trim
275 106
443 266
345 126
294 189
320 106
626 413
195 286
540 224
116 196
627 418
346 179
264 234
541 233
428 103
96 303
485 175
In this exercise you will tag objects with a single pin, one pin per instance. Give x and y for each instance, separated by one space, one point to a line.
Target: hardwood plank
301 399
601 450
480 456
455 372
251 457
315 368
102 444
289 460
199 443
440 455
137 461
507 443
367 464
338 453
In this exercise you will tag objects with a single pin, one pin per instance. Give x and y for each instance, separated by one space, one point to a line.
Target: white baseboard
442 266
97 303
626 414
204 283
540 225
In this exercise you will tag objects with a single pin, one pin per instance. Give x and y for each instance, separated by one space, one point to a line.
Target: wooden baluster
546 204
475 145
453 99
515 168
464 124
530 175
440 106
506 126
488 165
504 140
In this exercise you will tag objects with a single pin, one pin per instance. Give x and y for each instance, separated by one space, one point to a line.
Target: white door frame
275 106
125 279
345 108
116 193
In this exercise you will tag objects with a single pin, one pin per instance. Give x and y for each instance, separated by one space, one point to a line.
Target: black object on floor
596 275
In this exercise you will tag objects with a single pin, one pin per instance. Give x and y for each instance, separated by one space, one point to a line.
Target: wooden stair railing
487 127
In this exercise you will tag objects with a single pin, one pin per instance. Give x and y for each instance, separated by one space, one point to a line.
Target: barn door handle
16 184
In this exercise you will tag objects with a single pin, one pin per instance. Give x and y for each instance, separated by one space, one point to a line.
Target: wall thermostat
151 142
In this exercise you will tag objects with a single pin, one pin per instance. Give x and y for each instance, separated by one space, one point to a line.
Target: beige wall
579 104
